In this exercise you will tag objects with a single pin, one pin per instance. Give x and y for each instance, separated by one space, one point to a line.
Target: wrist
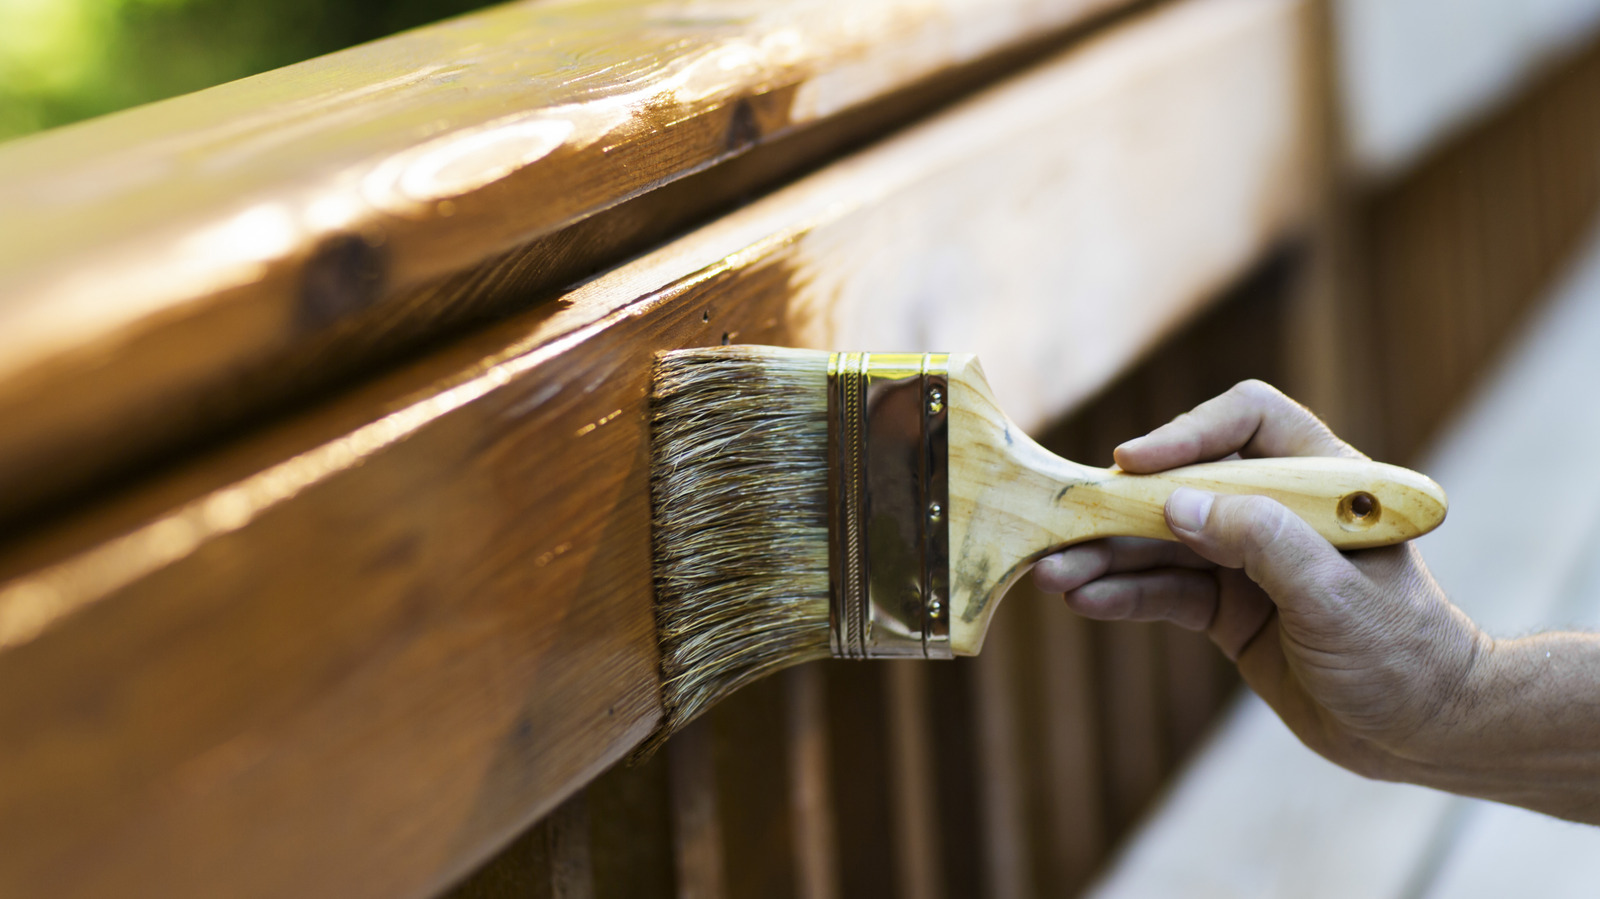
1520 729
1466 669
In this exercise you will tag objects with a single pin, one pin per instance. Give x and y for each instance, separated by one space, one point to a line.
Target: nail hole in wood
743 129
344 275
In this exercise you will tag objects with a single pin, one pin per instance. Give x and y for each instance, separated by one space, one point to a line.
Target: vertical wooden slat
1066 825
1332 358
571 864
915 798
1129 666
631 831
1193 691
1002 780
956 775
1461 246
810 797
550 860
1132 728
750 736
696 830
859 761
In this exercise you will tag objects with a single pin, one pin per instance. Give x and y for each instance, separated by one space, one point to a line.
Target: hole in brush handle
1359 511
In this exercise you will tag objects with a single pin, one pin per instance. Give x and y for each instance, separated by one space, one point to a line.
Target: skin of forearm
1524 729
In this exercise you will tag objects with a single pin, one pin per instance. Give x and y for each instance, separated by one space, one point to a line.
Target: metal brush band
888 492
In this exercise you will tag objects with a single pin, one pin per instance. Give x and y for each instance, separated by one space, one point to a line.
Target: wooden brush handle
1354 503
1012 501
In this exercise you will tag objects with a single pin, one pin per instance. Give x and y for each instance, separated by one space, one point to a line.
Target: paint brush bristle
739 488
878 505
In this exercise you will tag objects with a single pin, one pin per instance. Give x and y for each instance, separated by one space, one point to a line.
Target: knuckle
1259 395
1257 388
1099 601
1263 520
1262 529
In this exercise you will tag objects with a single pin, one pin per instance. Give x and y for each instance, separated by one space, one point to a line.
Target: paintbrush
871 505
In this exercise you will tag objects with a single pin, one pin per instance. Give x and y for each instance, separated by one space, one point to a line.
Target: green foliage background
66 60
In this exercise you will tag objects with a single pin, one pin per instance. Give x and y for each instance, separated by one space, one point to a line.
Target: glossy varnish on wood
356 652
173 269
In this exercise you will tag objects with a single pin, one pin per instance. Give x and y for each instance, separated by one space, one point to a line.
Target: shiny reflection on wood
32 604
203 219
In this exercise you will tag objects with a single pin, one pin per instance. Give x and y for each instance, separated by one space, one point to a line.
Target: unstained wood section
355 653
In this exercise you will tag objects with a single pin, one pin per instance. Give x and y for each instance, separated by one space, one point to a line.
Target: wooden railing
327 567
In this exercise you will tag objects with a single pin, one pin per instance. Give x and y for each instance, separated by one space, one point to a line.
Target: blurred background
62 61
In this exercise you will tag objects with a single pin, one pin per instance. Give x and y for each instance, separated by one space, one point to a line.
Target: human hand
1361 654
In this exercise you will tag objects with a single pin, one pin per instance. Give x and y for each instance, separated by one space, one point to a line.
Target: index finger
1253 419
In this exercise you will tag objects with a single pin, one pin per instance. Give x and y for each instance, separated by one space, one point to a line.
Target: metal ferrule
888 492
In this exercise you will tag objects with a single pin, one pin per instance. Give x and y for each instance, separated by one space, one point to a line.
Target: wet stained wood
247 245
359 650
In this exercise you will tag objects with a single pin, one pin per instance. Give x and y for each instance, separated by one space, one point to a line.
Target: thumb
1275 547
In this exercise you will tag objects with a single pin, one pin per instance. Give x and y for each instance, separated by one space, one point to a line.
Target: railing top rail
160 265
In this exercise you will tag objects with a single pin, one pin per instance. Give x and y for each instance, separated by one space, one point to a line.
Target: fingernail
1189 508
1129 444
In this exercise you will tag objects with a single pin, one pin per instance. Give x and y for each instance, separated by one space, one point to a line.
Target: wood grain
248 245
354 653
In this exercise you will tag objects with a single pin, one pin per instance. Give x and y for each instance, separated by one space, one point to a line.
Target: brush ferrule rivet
889 555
